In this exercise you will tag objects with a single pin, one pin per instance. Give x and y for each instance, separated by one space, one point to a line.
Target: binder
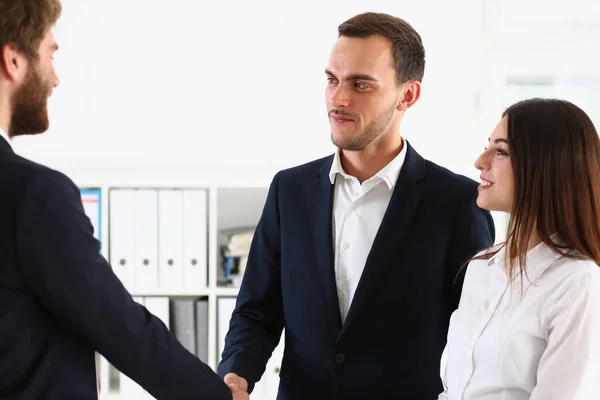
121 235
270 379
170 237
92 206
202 330
145 241
91 201
268 385
225 308
195 239
183 322
159 306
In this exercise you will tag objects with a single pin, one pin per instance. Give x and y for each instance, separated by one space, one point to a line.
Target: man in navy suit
357 255
59 299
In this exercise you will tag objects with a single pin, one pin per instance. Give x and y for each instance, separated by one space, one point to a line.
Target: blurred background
217 96
235 87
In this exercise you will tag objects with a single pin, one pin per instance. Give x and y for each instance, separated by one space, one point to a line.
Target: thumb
232 378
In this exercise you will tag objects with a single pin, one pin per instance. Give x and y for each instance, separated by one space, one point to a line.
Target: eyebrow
353 77
499 140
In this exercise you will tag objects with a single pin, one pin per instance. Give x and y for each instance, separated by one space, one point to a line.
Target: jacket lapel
321 221
396 222
5 146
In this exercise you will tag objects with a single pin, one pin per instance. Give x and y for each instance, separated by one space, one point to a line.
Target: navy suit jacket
390 344
60 302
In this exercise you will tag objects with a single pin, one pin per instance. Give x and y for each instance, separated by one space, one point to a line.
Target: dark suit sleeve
257 321
61 264
473 231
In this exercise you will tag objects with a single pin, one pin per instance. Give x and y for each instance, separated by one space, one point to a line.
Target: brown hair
25 22
555 155
407 47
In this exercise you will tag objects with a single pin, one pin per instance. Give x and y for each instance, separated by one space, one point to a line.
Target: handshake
238 386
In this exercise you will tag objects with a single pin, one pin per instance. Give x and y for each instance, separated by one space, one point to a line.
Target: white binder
145 242
225 307
170 237
266 388
159 306
195 240
270 379
121 235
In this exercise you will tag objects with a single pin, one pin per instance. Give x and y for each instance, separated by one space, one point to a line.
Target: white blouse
543 345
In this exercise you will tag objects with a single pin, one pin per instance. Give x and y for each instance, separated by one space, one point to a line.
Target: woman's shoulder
480 264
575 268
487 255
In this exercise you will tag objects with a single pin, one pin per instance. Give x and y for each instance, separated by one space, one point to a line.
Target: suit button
340 358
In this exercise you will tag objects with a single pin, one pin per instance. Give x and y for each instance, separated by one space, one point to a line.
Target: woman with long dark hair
528 324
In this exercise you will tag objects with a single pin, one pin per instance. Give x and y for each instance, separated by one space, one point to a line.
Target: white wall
237 85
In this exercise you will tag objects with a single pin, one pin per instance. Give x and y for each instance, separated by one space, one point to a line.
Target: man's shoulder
29 174
444 180
307 171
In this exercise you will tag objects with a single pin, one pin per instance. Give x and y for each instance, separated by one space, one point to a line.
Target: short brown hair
25 22
407 46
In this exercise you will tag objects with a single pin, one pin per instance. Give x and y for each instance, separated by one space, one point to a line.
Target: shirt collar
336 167
538 259
5 136
389 173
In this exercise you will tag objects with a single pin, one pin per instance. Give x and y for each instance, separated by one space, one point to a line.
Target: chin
340 139
343 133
482 203
490 206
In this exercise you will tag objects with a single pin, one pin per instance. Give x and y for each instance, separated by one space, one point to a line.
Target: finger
242 383
231 378
237 393
235 389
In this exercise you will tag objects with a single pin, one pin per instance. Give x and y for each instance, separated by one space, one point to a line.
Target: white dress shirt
5 136
358 210
543 345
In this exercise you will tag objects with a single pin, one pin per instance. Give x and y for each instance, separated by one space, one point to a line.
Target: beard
368 133
30 105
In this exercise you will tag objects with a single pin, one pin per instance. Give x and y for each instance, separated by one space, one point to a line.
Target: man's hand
237 392
240 382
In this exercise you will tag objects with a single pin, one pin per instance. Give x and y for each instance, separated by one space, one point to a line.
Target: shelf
219 291
227 291
231 204
180 293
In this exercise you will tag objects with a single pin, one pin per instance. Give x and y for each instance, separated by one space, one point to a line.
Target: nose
340 98
56 80
481 163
